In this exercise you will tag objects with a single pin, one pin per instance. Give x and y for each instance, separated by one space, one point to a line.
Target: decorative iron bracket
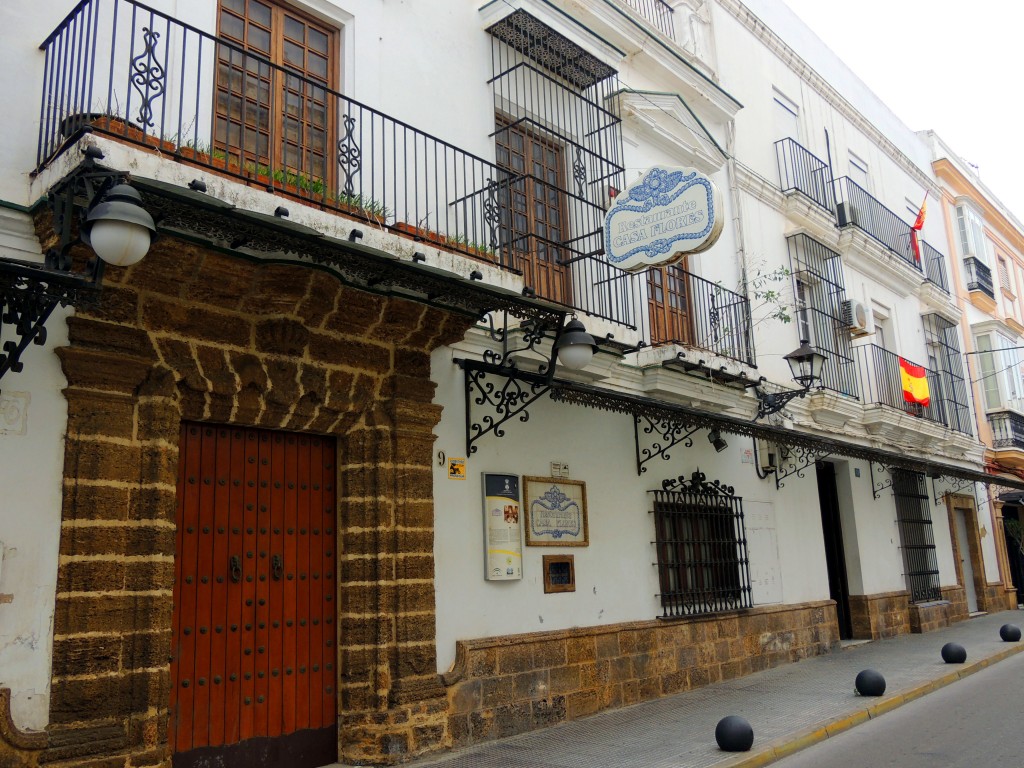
30 291
956 484
666 434
503 403
797 459
698 483
521 388
881 485
769 403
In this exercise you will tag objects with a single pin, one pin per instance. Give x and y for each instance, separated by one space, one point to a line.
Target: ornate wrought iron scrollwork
26 302
881 485
350 156
795 459
29 291
579 173
503 403
148 76
492 213
698 483
956 484
530 332
665 433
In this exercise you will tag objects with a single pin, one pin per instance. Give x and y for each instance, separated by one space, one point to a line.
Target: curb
818 732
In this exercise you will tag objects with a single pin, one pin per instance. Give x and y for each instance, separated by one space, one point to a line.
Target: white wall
616 579
33 417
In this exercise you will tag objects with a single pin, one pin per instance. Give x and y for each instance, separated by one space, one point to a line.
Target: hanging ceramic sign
664 215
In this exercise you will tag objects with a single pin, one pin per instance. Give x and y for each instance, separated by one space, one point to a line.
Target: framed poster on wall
503 547
555 512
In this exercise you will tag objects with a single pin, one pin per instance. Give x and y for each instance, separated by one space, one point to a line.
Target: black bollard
954 653
1009 633
870 683
734 734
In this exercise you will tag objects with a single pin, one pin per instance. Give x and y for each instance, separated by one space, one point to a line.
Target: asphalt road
974 723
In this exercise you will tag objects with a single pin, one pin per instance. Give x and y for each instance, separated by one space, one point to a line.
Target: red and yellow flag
915 383
917 226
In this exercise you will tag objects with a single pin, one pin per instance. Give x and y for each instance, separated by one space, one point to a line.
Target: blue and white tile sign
662 216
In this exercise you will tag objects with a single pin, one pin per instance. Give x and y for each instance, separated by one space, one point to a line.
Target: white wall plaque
664 215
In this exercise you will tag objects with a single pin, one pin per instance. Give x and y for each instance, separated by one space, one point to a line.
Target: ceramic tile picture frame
555 512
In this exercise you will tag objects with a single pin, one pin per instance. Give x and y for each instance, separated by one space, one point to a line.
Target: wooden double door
253 668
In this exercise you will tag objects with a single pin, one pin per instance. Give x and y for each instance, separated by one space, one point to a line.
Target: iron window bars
701 547
941 337
917 538
819 271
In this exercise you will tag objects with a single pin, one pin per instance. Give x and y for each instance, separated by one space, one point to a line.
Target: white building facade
314 473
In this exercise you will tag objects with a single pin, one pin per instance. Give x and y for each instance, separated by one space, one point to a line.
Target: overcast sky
957 68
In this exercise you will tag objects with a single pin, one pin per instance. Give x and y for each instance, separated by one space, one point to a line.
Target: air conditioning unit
847 214
858 318
768 455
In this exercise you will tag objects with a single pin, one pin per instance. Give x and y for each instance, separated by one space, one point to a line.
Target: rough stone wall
190 334
502 686
925 617
885 614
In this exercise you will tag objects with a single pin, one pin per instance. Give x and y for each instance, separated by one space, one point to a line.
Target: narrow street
973 723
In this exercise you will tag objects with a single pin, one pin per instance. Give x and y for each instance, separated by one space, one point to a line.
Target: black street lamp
805 363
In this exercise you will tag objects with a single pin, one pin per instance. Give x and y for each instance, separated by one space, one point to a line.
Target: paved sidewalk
790 707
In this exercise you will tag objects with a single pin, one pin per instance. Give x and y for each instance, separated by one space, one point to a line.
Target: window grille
819 291
558 131
917 538
702 548
944 350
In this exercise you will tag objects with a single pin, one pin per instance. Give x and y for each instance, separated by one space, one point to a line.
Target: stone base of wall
883 614
998 597
926 617
502 686
394 736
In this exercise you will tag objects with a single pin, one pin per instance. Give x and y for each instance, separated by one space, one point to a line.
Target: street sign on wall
662 216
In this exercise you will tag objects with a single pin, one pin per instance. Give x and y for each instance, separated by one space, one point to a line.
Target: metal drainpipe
737 216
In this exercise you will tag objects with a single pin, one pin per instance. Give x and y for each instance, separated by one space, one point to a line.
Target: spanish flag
916 227
915 383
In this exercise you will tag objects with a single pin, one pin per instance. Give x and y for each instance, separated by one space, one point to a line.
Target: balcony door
669 304
273 108
533 209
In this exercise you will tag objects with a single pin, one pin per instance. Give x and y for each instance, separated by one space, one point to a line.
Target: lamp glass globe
119 243
575 356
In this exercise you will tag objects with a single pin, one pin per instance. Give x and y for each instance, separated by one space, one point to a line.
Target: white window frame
971 234
859 164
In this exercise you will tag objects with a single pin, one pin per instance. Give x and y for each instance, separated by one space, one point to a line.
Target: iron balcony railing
882 383
934 267
688 310
856 207
123 69
1007 429
657 12
801 171
979 277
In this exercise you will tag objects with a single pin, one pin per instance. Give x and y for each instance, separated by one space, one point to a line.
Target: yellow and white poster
503 548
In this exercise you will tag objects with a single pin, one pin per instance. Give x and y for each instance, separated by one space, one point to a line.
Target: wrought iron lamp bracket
769 403
520 340
799 458
956 484
666 434
30 291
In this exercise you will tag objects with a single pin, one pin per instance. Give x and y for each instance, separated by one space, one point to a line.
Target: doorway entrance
835 558
966 561
253 675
